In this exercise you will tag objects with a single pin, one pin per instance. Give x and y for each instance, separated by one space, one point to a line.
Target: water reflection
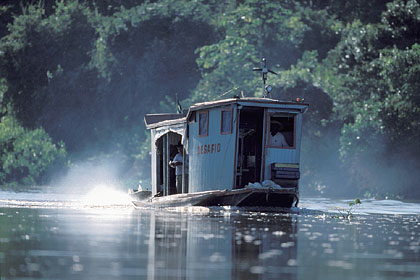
88 244
226 247
123 243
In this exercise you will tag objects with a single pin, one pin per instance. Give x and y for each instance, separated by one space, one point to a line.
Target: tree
375 66
50 92
27 156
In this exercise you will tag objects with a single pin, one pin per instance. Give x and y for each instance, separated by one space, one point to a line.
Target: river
99 235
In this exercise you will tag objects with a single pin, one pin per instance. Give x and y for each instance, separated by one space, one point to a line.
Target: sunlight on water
368 206
98 234
103 195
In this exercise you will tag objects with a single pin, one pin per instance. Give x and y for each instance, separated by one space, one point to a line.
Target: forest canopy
76 79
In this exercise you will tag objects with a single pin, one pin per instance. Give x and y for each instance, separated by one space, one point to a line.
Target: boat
239 151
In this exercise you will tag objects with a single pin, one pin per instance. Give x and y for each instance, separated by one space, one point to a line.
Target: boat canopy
165 123
157 120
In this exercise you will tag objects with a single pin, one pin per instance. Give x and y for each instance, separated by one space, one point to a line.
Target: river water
99 235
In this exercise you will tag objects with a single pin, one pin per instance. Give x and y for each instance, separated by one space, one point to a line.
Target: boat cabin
227 144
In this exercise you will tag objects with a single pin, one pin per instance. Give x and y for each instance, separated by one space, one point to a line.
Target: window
226 126
192 118
282 130
203 119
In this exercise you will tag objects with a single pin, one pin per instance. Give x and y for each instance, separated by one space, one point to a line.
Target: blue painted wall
212 157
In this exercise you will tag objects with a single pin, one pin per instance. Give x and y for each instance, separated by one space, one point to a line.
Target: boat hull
246 197
137 195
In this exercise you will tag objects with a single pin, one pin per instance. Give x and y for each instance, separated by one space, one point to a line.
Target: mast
264 71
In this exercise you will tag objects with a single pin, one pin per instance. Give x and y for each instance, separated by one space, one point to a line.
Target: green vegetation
76 79
347 214
27 156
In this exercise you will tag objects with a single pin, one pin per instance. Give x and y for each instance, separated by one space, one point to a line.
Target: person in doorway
177 163
277 138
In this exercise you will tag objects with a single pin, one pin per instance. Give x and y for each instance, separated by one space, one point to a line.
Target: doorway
249 152
166 150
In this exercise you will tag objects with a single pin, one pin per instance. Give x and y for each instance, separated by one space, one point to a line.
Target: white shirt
178 168
278 140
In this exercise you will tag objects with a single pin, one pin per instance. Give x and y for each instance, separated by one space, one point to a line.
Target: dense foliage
83 74
27 156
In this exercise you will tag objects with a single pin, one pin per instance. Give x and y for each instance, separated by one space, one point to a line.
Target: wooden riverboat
230 152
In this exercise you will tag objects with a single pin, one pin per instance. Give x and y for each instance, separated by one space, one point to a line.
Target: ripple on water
369 206
261 242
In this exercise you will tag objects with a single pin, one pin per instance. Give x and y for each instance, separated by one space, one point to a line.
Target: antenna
178 105
265 71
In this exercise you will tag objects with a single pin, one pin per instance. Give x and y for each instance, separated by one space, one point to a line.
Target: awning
180 129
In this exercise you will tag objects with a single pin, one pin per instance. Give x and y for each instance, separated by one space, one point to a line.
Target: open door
166 151
249 151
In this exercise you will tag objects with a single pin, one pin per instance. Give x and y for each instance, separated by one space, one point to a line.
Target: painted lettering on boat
209 148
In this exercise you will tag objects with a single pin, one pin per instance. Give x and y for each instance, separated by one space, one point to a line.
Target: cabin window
192 118
226 126
203 120
282 131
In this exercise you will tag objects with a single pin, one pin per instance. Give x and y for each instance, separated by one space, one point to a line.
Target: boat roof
168 119
156 120
248 101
